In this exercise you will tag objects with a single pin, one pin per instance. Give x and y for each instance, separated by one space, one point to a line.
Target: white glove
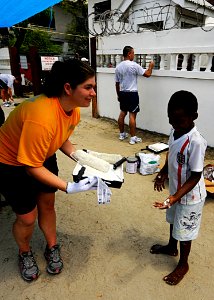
86 184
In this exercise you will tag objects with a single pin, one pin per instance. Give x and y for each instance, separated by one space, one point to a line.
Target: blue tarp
15 11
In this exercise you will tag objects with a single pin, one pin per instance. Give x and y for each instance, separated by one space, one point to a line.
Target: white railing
196 62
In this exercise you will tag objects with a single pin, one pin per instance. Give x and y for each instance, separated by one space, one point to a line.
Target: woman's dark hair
72 71
126 50
183 100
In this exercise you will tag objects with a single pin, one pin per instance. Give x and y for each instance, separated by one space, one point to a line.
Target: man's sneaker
5 104
123 136
28 267
134 139
55 263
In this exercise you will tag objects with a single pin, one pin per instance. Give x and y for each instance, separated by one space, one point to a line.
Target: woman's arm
67 148
45 176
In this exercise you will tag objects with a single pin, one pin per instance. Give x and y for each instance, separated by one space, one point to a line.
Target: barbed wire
155 18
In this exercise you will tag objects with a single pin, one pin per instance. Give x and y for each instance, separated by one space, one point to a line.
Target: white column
101 60
162 61
196 66
184 64
107 60
173 64
113 63
118 59
209 64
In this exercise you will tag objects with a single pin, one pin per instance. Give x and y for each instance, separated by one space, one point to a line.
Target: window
101 7
152 26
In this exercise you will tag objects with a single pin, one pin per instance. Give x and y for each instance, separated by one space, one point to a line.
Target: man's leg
121 119
10 93
132 123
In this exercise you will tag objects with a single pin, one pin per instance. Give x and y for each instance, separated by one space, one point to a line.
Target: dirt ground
106 247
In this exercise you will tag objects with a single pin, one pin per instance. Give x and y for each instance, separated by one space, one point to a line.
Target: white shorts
186 220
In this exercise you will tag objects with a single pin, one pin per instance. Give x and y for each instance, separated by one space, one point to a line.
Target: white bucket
131 165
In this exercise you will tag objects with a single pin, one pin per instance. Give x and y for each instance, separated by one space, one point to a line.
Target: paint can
131 164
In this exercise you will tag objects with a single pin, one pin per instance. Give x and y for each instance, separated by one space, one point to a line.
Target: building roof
202 3
126 3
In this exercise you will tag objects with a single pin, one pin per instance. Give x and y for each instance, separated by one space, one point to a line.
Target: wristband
167 203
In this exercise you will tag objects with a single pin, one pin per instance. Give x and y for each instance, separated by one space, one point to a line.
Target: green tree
77 30
41 40
22 35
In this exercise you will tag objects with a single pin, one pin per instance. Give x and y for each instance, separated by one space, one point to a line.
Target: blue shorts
21 190
129 101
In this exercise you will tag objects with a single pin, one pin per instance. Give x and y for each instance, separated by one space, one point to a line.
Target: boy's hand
159 182
163 205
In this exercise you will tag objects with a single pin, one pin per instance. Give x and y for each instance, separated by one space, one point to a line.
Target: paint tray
157 147
113 178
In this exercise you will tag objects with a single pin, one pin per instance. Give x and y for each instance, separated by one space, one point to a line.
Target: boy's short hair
126 50
183 100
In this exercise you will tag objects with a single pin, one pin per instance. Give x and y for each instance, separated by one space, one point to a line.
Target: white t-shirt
8 79
186 154
126 74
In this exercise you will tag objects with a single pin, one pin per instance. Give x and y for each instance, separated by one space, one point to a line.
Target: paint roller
84 158
115 159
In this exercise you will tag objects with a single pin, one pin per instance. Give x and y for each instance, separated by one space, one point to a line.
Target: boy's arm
161 177
186 187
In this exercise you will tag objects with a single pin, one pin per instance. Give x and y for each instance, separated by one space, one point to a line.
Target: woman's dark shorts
129 101
2 116
20 190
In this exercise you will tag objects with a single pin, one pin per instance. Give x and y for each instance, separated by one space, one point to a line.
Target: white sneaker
123 136
5 104
134 139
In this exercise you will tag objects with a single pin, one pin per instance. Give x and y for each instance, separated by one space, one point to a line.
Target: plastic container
131 165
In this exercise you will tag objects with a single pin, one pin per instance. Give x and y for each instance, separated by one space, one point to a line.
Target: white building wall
155 91
5 61
154 95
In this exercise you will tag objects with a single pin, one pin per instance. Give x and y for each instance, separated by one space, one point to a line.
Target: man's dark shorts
3 85
129 101
21 190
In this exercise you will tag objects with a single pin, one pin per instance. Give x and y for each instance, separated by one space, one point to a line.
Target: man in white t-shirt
6 86
126 87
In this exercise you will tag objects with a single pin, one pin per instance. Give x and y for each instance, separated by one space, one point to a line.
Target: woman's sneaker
123 136
28 266
134 139
54 261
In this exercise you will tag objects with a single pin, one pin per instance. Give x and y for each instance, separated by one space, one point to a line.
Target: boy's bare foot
177 275
159 249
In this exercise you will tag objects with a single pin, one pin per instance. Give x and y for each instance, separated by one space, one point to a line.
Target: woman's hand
159 181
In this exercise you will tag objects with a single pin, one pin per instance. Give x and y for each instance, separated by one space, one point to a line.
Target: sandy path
106 248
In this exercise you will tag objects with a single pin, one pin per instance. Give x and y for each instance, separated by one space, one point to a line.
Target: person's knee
27 220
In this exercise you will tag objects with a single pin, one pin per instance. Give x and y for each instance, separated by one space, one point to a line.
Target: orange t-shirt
35 130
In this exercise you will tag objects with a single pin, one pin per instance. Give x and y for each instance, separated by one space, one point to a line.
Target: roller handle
79 175
119 163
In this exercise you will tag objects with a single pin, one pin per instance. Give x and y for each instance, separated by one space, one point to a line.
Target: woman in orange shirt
29 138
